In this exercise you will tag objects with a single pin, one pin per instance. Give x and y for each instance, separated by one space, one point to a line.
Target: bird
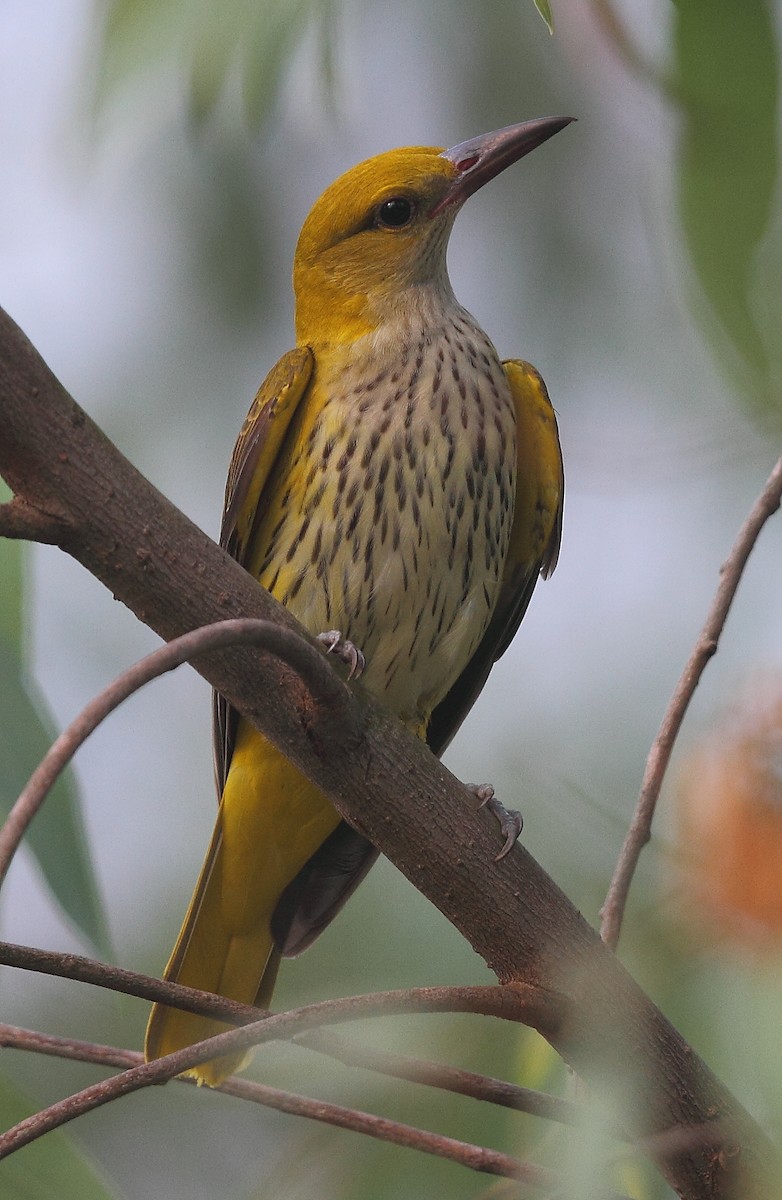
399 488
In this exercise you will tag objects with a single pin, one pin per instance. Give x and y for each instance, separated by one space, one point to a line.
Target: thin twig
15 1037
308 662
517 1002
639 833
478 1158
489 1001
447 1078
207 1004
130 983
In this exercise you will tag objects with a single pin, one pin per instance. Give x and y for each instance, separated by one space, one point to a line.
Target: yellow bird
396 481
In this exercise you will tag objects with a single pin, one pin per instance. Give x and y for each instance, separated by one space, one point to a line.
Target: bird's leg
510 821
345 651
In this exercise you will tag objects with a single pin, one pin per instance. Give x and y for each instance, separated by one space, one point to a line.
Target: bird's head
382 229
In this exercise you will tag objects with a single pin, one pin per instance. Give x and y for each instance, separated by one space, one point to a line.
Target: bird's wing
252 462
534 543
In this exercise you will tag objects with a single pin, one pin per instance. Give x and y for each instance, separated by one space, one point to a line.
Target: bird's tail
270 822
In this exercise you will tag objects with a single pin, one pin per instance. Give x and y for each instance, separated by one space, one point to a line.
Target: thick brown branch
640 831
377 775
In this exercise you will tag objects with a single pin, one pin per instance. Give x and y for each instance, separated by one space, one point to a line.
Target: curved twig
308 662
537 1007
639 833
478 1158
130 983
207 1004
508 1003
447 1078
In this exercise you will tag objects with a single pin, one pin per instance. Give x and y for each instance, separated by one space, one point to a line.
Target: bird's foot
510 821
345 651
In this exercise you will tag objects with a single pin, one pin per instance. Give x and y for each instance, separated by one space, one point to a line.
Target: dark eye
395 213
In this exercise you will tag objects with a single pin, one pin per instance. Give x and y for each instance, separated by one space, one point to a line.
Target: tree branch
378 775
640 831
20 520
467 1083
477 1158
503 1002
444 1077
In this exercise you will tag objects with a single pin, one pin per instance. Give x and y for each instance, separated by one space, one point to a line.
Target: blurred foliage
726 82
244 42
51 1168
729 807
56 836
247 43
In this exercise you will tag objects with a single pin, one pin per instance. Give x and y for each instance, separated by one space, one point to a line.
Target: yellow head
382 229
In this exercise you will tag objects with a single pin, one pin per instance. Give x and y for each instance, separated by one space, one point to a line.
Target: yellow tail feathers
271 820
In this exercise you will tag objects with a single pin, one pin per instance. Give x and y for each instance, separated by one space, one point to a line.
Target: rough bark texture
78 489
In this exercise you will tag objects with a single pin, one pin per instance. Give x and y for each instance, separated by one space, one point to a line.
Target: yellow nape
360 248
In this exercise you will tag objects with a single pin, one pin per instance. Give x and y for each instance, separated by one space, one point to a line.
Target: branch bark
476 1158
378 776
532 1008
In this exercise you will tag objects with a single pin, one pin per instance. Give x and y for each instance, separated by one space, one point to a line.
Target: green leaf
544 8
726 80
56 835
51 1168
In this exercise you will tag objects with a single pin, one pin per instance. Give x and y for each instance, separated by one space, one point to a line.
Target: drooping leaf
726 79
51 1168
544 8
56 835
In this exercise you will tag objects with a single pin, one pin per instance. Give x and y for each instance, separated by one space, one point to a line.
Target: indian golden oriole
394 480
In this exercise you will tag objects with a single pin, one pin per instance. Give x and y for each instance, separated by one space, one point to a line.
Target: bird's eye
395 213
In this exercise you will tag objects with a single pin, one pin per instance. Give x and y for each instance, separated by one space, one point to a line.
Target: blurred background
158 159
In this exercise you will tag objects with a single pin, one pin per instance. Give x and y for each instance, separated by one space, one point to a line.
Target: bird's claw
345 651
511 822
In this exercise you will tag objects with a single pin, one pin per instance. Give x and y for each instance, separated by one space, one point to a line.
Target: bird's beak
480 159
